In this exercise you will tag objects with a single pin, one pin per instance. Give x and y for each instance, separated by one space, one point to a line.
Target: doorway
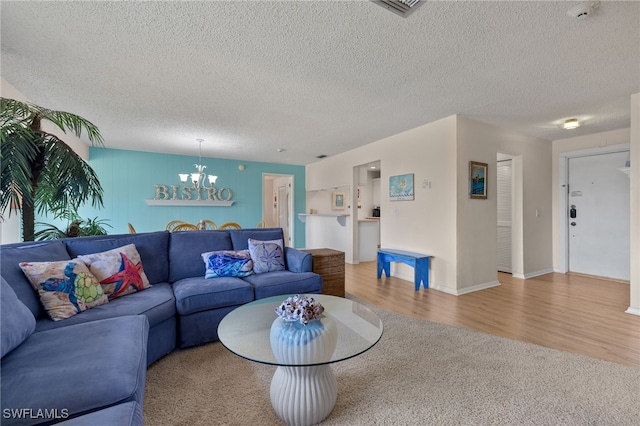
597 215
366 217
277 204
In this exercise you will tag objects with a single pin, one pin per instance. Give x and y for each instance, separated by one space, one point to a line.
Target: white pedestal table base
304 396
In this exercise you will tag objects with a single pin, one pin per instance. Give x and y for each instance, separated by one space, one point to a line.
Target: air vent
400 7
322 156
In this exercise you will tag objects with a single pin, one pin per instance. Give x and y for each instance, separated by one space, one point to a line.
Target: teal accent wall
129 177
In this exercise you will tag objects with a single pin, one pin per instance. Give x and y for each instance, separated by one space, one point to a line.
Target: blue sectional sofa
92 366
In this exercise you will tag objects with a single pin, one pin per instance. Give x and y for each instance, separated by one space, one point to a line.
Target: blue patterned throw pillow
227 263
267 256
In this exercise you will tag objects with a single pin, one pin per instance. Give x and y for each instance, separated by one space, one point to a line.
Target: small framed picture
337 200
478 180
401 187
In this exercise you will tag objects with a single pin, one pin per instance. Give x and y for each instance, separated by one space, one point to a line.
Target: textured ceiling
318 77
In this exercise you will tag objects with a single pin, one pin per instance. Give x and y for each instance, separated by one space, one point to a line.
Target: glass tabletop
245 331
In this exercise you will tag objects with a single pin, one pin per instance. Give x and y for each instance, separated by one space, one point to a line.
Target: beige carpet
419 373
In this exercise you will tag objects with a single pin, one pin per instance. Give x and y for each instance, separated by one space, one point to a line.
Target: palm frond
17 112
67 181
48 232
39 170
12 111
18 153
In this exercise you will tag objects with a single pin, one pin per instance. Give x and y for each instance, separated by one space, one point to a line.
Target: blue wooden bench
420 263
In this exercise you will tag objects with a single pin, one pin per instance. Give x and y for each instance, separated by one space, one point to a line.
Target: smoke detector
582 10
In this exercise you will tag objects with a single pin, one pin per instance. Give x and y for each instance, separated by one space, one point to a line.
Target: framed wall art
478 180
337 200
401 187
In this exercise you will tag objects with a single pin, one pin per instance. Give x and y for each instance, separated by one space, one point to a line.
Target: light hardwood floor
578 314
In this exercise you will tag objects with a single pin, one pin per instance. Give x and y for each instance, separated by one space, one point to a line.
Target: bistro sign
190 193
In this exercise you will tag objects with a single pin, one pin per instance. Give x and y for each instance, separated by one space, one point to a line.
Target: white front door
599 235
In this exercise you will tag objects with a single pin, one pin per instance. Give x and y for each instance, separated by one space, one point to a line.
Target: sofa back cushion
153 248
13 254
186 248
16 320
240 237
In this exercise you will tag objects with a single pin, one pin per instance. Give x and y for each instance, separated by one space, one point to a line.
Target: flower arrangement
300 308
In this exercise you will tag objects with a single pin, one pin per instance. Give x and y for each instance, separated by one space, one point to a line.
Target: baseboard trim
533 274
466 290
453 292
633 311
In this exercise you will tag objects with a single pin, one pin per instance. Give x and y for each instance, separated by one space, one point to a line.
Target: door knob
573 224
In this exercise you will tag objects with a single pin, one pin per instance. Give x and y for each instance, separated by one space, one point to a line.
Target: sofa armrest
298 260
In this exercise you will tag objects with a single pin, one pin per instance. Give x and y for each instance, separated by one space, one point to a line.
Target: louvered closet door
504 215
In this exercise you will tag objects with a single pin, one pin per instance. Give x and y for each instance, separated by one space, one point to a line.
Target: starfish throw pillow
119 270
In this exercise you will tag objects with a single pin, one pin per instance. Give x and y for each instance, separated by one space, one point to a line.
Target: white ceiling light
582 10
571 123
199 178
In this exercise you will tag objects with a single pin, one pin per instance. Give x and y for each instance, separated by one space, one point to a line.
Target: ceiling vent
400 7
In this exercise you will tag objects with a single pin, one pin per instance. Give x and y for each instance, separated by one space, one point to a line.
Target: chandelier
199 178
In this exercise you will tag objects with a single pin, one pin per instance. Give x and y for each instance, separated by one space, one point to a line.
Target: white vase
304 395
294 343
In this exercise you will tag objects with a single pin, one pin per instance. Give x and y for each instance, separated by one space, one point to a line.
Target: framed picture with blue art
478 180
401 187
337 200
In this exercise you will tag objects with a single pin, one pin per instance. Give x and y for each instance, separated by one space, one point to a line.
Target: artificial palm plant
39 171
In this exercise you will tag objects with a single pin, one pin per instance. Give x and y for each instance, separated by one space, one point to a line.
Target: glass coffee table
304 388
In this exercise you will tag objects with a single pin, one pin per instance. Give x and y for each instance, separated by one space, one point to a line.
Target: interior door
598 215
504 197
283 212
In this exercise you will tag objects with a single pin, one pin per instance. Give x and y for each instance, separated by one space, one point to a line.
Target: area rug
420 372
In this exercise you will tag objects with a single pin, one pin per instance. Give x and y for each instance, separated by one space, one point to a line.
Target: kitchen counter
369 219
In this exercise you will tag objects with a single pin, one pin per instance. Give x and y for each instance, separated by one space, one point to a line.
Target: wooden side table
329 264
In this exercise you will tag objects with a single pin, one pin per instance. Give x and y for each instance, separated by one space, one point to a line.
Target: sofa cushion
13 254
152 246
284 282
199 294
156 303
240 237
81 368
186 248
66 287
126 414
16 320
119 270
267 256
227 263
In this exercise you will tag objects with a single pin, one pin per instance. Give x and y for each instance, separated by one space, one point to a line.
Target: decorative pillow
267 256
227 263
16 320
119 270
65 287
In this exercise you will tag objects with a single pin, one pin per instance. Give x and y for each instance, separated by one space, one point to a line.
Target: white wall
426 224
477 219
443 221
